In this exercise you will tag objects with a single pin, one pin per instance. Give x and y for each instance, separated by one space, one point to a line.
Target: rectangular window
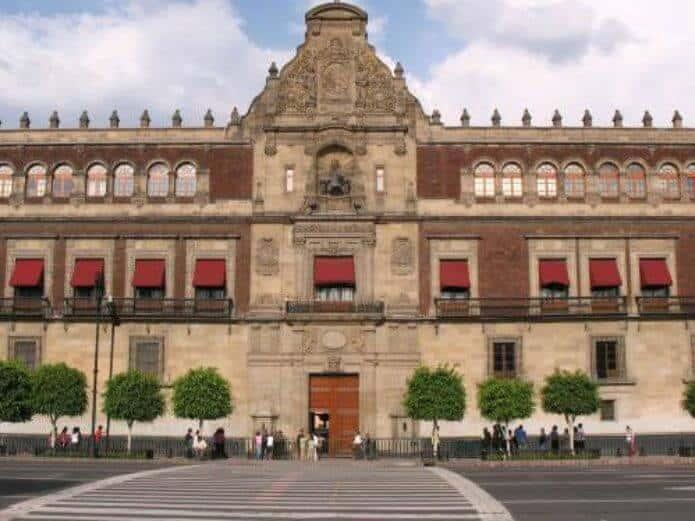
147 355
484 186
25 349
511 187
553 278
547 186
289 180
504 357
334 279
609 358
5 186
380 187
28 278
149 278
210 293
210 279
607 410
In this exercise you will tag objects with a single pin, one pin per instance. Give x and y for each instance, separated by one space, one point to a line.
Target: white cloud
652 69
159 55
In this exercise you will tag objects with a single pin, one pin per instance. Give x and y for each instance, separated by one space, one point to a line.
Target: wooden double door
334 410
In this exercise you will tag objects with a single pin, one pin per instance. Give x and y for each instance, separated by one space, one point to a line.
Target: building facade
320 247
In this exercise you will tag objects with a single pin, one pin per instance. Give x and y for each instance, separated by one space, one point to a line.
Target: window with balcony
668 181
96 181
605 279
546 181
553 279
149 279
608 358
575 181
36 181
484 180
512 182
210 279
454 279
158 180
147 355
334 279
609 181
655 278
27 279
504 357
26 350
88 278
62 181
636 181
6 174
123 180
186 180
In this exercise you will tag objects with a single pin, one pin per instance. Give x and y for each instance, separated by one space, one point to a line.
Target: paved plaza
271 490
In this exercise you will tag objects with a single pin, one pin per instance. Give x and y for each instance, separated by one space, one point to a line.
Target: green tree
133 396
15 392
435 394
689 399
58 390
202 394
504 400
570 395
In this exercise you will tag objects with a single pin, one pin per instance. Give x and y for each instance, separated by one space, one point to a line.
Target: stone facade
336 158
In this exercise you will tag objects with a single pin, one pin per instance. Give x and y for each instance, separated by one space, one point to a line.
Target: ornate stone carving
333 363
307 343
298 85
333 340
401 256
268 257
375 91
357 342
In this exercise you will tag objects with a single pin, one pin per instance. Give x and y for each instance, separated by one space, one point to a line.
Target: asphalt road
24 479
634 493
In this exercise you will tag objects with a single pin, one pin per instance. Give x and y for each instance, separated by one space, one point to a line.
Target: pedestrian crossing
267 491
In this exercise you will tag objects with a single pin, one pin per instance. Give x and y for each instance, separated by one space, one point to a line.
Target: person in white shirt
199 446
269 441
357 445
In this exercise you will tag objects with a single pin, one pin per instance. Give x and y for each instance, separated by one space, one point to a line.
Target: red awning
330 271
553 271
454 274
87 272
27 273
210 273
604 273
149 273
654 273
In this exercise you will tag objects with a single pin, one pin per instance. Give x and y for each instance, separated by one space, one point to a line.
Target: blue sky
98 55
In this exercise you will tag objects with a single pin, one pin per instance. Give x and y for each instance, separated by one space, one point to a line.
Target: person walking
631 440
218 444
509 442
435 442
64 438
258 445
199 445
76 438
543 440
486 440
188 443
269 446
580 437
96 439
357 445
554 440
300 448
498 439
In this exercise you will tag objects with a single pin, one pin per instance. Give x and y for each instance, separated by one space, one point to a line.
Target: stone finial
526 118
273 70
436 117
24 121
84 119
587 118
465 118
114 120
677 120
647 119
209 119
54 120
145 119
557 119
617 119
176 119
234 118
398 71
496 118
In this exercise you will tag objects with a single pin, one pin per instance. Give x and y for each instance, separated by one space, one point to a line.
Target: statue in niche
336 184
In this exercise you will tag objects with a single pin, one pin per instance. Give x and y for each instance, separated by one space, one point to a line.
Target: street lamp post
114 322
99 290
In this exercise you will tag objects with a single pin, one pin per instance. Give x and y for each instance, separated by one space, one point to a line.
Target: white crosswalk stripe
268 491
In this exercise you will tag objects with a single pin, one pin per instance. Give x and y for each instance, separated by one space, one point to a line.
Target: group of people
362 446
308 446
197 446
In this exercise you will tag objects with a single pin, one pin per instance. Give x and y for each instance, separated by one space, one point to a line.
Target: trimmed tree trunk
200 426
54 438
130 436
570 428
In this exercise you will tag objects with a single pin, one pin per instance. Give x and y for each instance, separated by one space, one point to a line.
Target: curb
489 509
20 509
579 463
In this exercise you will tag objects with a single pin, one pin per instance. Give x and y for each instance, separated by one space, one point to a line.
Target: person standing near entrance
357 445
435 441
258 445
299 449
269 445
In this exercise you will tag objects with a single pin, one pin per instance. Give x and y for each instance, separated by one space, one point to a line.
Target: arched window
62 181
5 181
186 180
96 181
546 181
575 181
690 180
123 180
609 181
158 180
667 182
636 181
36 181
484 180
511 180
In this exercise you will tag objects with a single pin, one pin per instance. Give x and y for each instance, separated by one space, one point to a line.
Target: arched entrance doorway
334 410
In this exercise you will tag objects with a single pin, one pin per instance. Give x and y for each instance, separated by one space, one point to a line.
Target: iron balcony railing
666 306
309 307
527 308
139 308
25 308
